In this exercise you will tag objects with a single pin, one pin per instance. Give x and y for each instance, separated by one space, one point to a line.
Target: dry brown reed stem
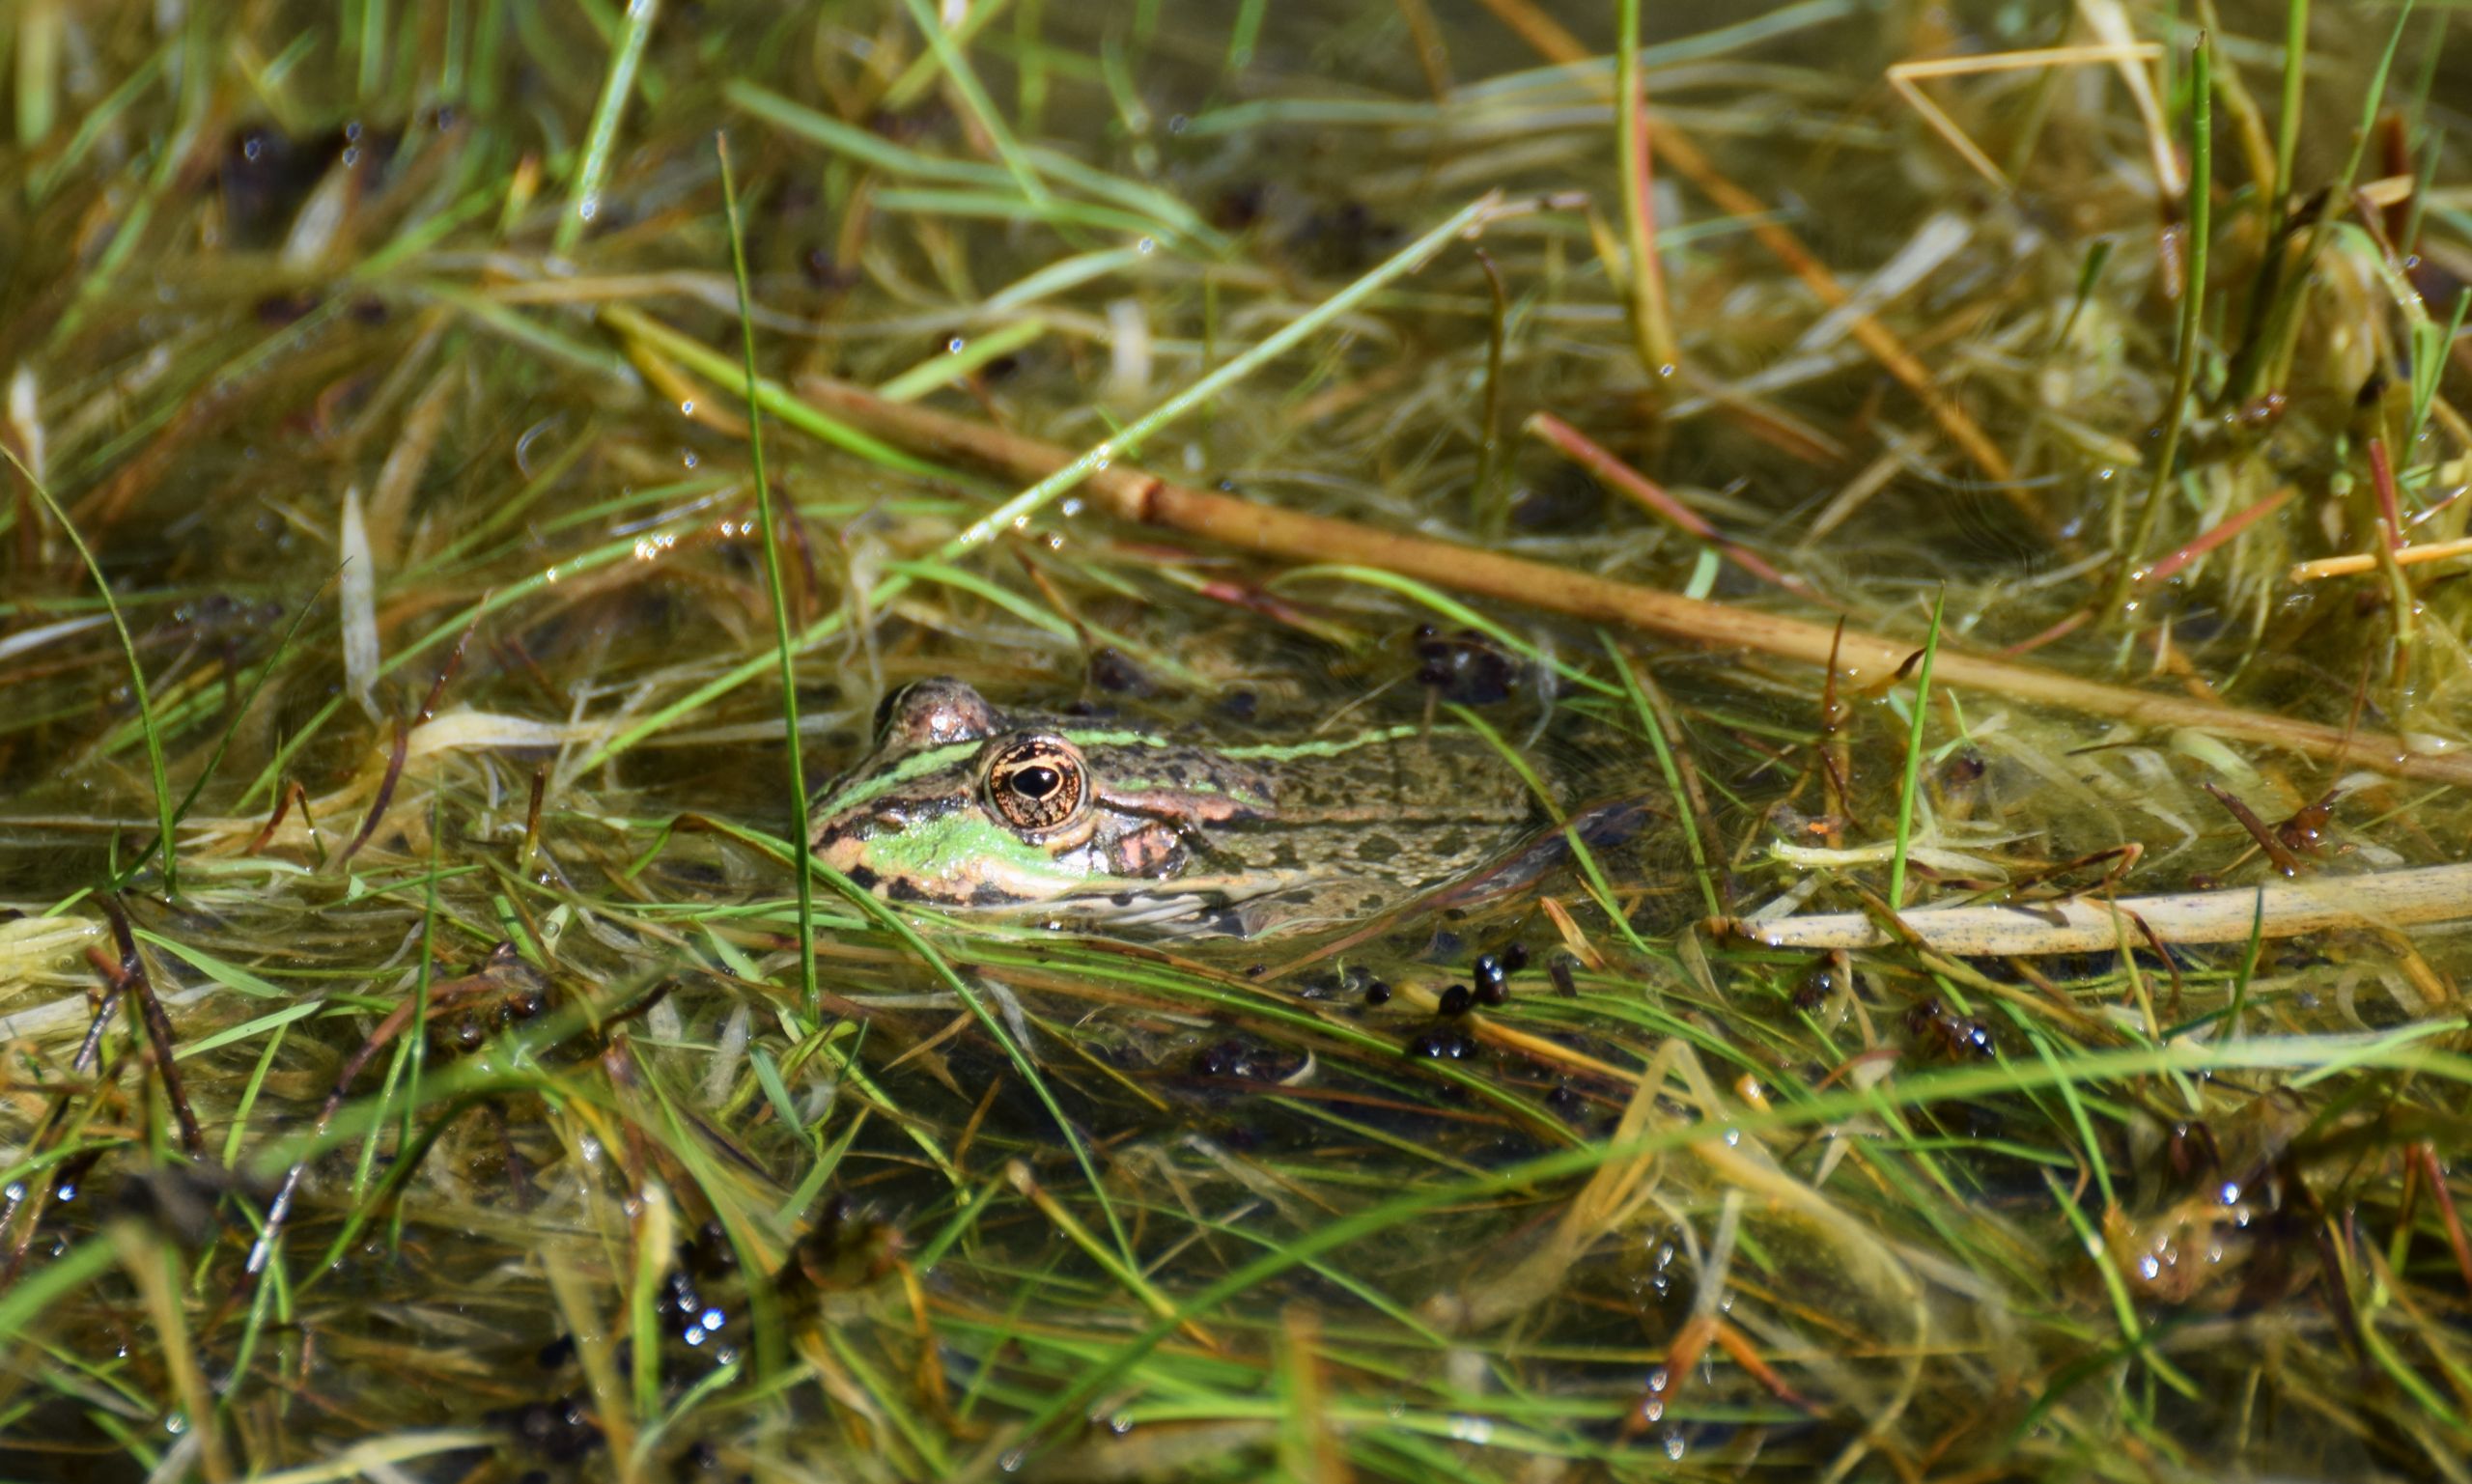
159 1035
1424 36
2448 1217
1134 494
1549 38
1652 496
2388 899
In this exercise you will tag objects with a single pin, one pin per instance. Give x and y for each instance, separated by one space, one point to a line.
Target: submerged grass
491 1097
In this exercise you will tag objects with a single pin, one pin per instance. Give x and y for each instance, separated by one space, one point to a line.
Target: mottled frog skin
970 807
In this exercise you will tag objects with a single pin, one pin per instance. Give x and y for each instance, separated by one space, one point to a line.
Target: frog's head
964 805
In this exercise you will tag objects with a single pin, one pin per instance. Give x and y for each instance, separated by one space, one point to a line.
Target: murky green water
438 547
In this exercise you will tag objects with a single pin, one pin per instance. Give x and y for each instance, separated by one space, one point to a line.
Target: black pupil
1036 781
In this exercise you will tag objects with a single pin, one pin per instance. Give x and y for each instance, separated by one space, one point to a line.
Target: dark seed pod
1514 958
1112 671
1229 1058
1492 988
1560 966
1466 667
1456 1000
1377 994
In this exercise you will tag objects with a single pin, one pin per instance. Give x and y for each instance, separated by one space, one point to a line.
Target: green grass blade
809 996
1911 783
583 197
957 72
2184 372
223 743
1684 814
34 1296
163 807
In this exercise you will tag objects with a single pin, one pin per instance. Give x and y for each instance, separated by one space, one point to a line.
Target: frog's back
1370 825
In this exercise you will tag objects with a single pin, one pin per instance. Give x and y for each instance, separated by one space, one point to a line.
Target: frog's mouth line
1203 906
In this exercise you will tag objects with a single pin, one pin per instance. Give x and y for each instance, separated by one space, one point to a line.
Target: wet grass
444 481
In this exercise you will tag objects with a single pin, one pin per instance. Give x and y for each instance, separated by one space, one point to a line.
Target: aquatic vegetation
1705 744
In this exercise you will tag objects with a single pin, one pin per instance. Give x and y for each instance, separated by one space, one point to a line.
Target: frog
968 807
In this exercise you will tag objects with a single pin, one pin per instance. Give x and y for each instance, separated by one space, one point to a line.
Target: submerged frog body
966 806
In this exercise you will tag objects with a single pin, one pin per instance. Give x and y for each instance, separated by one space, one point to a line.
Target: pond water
1283 1035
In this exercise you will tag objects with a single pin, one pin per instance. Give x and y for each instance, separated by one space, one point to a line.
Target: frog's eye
1038 783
